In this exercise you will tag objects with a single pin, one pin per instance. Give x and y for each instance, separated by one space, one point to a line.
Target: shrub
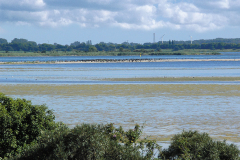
29 132
21 123
194 145
88 142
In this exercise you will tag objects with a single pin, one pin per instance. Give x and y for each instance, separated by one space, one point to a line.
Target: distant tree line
31 46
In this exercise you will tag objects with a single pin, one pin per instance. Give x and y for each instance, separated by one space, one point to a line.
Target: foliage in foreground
21 123
29 132
194 145
91 142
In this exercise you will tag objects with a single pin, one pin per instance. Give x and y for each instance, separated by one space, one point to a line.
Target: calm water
96 72
78 94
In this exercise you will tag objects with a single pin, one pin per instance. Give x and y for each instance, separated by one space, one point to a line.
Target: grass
115 53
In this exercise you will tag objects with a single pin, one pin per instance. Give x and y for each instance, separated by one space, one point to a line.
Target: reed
113 53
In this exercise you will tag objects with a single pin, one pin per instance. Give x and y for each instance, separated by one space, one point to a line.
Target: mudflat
170 79
164 109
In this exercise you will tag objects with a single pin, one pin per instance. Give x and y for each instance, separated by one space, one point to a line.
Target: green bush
198 146
29 132
89 142
21 123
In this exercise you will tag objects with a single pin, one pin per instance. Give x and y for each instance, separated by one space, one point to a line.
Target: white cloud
105 2
234 4
21 4
153 25
223 4
196 15
191 17
34 3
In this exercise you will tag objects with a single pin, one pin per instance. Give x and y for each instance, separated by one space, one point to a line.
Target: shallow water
164 109
78 93
85 73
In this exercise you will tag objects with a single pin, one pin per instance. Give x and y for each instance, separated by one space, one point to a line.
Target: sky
117 21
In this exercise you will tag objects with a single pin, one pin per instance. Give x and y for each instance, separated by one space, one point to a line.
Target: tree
82 47
21 123
16 40
76 43
3 41
121 49
176 48
195 145
111 47
92 49
92 142
100 47
9 48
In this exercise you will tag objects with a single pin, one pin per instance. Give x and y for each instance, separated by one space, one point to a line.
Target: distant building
89 42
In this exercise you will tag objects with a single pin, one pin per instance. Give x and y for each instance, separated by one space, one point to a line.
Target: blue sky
117 21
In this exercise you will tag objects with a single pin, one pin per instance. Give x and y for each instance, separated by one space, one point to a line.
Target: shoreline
174 79
118 61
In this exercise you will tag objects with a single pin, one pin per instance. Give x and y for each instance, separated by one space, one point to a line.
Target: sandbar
170 79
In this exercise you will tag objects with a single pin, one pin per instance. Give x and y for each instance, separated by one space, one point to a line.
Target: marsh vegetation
113 53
